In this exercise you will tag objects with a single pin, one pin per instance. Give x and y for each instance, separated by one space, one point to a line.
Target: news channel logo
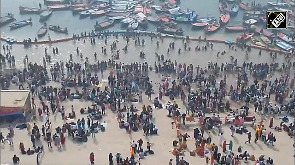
276 20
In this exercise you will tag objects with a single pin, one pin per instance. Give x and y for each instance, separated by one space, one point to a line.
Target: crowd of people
128 83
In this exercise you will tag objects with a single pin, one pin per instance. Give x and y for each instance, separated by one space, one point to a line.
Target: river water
203 8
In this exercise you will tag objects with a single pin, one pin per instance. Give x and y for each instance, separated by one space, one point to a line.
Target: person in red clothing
91 157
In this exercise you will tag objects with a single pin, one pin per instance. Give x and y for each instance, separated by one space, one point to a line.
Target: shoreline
7 39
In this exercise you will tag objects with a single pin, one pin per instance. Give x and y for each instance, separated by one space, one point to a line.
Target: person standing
33 140
91 158
232 128
111 159
249 138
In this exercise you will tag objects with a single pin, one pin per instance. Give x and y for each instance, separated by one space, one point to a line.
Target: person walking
249 138
33 140
91 158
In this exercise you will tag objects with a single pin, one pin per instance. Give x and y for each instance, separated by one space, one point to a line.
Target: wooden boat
78 5
97 13
286 38
164 18
279 4
255 12
234 10
247 16
6 19
153 20
239 28
29 10
206 20
78 10
212 27
117 18
147 11
223 7
244 37
126 21
103 25
266 40
54 1
250 22
20 24
182 19
257 42
199 25
59 7
259 30
133 25
224 18
138 9
58 29
42 31
169 30
283 45
85 14
45 15
115 14
246 7
231 1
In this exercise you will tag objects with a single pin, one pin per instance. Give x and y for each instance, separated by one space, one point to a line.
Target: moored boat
283 45
153 20
133 25
115 14
244 37
224 18
245 6
117 18
286 38
212 27
78 10
231 1
6 19
59 7
266 40
45 15
250 22
259 30
126 21
58 29
199 25
257 42
238 28
234 10
223 6
20 24
97 13
138 9
85 14
42 31
103 25
29 10
169 30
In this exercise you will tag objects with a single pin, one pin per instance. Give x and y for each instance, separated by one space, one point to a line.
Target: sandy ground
116 140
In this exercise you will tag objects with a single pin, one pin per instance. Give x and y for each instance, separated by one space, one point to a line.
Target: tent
14 104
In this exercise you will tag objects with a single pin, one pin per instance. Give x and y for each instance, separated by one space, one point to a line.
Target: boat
279 4
212 27
257 42
246 7
244 37
237 28
20 24
58 29
250 21
231 1
133 25
45 15
126 21
169 30
138 9
97 13
223 7
255 12
283 45
6 19
103 25
147 11
29 10
286 38
59 7
188 18
115 14
54 1
247 16
206 20
117 18
224 18
78 10
266 40
153 20
199 25
85 13
42 31
164 18
234 10
259 30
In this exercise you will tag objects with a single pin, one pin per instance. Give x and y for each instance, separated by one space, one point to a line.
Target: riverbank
108 33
